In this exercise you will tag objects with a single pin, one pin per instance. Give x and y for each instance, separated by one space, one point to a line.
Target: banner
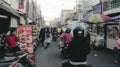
25 38
21 4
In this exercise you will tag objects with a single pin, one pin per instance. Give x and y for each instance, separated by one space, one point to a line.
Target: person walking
55 34
47 37
42 36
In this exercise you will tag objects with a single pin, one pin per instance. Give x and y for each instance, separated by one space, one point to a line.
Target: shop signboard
25 38
21 4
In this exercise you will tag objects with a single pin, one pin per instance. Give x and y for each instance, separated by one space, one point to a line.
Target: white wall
112 11
8 1
14 4
14 22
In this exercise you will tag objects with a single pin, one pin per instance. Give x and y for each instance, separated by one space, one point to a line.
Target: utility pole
33 8
27 11
101 4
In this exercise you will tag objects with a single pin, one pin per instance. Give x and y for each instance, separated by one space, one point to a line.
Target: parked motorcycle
15 61
36 43
8 59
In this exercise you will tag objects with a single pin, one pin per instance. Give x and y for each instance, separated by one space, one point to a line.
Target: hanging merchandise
25 38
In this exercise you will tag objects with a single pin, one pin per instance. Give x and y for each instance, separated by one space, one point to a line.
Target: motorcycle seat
8 59
15 54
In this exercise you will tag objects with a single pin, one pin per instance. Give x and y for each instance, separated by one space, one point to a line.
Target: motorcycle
63 49
117 55
68 63
36 43
15 61
8 59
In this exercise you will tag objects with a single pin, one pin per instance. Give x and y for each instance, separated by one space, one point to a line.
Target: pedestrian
78 48
11 41
55 34
42 36
47 37
59 30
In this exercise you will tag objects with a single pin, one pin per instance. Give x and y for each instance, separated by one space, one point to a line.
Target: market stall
26 37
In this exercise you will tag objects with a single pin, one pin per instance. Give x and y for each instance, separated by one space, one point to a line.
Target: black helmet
68 30
78 32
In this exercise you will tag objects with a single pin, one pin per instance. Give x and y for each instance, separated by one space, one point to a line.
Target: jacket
11 41
79 48
66 37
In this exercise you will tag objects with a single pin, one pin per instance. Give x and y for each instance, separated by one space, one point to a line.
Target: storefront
8 18
112 31
4 21
111 34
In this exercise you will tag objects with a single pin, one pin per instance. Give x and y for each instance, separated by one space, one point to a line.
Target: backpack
47 34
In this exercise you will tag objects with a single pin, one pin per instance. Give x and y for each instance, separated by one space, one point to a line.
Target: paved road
48 57
51 57
101 59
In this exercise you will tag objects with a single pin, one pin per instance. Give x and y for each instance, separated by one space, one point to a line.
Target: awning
10 10
112 23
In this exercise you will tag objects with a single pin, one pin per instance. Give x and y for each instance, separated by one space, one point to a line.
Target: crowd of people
78 44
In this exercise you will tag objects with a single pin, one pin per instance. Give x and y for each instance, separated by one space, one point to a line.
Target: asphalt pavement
51 57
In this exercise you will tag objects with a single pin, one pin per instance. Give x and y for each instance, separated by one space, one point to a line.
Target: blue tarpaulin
116 17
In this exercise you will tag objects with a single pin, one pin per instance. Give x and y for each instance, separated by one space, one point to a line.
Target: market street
51 57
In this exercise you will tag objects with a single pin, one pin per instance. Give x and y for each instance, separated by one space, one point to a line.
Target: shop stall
26 38
111 34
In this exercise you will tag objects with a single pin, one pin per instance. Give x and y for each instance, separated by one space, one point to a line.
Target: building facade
18 12
8 16
112 9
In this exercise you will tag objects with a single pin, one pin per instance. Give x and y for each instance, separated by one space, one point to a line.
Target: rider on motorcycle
64 43
67 36
79 47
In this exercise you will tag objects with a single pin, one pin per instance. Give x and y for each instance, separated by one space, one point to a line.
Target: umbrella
97 18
